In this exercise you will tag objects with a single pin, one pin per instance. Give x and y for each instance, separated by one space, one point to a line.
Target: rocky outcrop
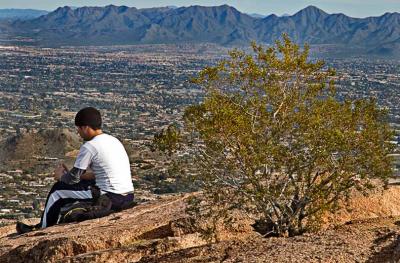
156 227
367 230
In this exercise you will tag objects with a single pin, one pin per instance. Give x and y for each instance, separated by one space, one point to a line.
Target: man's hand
88 176
65 167
59 171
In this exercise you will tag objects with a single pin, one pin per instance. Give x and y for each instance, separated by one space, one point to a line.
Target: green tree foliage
276 142
167 140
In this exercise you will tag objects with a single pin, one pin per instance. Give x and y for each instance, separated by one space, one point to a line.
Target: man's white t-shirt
107 158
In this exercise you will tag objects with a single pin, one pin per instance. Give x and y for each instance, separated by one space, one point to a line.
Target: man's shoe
24 228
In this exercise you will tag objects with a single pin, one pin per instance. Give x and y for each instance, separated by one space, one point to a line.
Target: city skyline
355 8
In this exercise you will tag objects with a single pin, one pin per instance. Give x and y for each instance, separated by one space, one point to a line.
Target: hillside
159 231
115 25
27 149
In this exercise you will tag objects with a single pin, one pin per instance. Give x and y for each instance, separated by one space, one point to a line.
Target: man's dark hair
88 117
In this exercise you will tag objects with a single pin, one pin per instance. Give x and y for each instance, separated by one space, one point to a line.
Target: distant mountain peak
62 11
310 14
122 8
63 8
221 7
225 6
271 16
118 9
390 14
311 10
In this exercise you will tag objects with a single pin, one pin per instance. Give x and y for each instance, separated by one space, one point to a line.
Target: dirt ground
374 240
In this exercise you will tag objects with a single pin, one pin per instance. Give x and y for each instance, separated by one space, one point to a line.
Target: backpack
99 206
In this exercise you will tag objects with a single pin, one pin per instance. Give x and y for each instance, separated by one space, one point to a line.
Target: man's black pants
62 194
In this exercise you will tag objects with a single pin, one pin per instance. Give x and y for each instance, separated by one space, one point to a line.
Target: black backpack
77 212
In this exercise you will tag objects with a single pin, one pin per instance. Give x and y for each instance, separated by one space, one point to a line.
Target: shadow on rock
390 252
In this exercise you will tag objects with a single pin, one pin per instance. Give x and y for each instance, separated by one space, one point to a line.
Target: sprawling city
140 89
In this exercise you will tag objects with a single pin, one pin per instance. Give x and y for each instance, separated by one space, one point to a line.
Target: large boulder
366 230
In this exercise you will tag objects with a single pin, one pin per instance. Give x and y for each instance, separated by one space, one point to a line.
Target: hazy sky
355 8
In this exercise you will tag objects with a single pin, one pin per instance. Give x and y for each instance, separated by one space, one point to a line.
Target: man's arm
82 161
73 176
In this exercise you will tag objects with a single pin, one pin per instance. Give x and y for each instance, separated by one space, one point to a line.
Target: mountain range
225 25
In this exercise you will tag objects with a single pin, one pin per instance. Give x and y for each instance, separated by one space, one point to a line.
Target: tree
275 141
167 140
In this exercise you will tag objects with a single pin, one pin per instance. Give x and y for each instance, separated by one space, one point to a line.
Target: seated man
105 156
